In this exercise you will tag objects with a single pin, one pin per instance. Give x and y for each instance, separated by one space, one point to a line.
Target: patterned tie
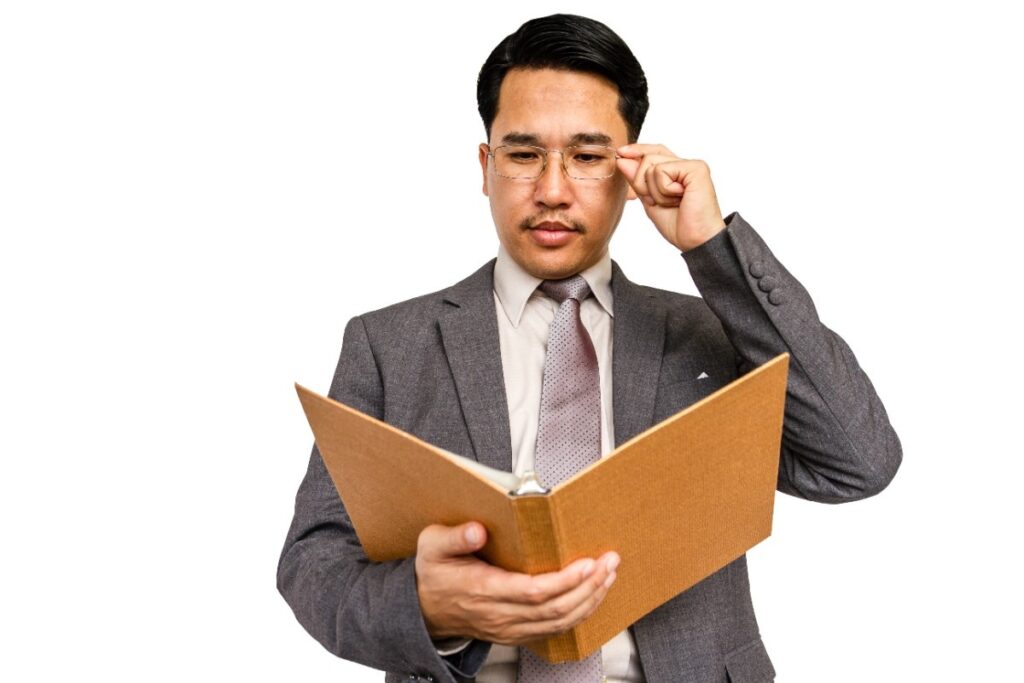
568 437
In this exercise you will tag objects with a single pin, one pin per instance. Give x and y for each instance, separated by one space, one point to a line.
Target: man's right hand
461 595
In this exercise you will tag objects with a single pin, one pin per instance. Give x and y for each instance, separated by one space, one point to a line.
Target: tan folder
677 502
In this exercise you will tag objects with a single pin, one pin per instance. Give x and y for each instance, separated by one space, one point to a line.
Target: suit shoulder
427 307
676 302
687 317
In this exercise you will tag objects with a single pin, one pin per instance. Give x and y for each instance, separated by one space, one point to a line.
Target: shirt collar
514 286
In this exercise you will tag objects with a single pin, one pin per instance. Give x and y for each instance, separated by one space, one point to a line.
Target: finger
685 171
569 603
670 179
653 183
528 590
628 168
437 542
501 603
638 149
642 182
524 589
508 622
664 186
566 615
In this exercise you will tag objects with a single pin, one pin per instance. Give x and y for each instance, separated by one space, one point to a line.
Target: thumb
436 541
628 168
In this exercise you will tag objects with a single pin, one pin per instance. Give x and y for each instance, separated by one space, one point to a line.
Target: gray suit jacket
432 366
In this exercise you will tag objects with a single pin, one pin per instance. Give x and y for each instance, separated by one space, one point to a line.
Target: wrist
700 237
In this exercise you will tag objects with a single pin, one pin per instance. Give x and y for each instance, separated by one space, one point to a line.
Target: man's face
554 226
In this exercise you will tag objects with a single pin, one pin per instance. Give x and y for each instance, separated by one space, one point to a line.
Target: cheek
603 204
509 204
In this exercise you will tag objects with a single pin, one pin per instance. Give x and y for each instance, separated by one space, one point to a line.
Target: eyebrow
595 138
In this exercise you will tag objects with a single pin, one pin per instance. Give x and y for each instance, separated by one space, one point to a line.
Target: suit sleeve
837 442
363 611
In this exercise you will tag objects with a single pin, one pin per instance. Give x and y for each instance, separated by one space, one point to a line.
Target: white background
196 196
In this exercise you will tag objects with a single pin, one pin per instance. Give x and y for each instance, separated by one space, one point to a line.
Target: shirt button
757 269
776 297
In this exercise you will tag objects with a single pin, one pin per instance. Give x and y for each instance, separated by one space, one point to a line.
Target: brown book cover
677 502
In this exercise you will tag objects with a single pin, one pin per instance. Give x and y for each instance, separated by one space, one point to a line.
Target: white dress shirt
524 320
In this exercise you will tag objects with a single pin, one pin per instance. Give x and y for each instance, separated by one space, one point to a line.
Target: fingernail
588 568
612 563
610 580
472 535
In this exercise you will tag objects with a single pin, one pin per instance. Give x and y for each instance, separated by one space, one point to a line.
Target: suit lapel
469 333
637 348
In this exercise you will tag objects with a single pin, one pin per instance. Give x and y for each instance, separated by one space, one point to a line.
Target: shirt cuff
449 646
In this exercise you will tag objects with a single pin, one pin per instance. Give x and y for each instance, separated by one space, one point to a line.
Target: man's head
566 42
558 82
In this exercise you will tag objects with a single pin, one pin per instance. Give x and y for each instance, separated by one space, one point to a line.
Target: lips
552 234
553 226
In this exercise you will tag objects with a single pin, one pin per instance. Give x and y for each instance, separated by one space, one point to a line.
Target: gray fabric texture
432 366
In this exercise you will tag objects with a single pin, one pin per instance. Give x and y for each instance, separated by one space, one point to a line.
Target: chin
554 271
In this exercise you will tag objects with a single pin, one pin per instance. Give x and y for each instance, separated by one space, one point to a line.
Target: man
563 100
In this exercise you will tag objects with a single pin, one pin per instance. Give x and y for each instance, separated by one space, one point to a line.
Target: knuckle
549 613
555 610
493 623
515 635
564 624
534 595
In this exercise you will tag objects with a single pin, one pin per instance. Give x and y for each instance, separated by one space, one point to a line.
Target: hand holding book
461 595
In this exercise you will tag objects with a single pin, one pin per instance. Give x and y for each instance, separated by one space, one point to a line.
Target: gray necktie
568 437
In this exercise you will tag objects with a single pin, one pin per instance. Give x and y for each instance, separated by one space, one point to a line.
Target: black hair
571 43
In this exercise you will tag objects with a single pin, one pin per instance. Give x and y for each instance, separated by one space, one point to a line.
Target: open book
677 502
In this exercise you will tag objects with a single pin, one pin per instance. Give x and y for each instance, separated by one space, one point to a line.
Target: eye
590 156
522 156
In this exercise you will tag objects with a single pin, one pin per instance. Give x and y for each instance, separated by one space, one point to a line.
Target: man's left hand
677 194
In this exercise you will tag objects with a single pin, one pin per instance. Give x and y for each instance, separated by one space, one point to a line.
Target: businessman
548 357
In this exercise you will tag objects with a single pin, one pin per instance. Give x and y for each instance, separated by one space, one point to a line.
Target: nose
553 187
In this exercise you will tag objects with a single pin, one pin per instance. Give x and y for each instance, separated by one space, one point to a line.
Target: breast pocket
750 664
675 395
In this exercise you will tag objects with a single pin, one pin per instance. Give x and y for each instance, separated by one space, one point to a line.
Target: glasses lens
590 162
521 161
584 162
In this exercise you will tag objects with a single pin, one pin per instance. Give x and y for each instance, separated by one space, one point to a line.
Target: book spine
535 527
543 552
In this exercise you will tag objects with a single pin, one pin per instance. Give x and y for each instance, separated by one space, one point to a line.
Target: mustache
534 221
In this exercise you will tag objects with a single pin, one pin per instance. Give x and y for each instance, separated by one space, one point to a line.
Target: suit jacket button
757 269
767 284
776 297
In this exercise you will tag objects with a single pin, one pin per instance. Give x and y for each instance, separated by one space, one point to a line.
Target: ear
484 149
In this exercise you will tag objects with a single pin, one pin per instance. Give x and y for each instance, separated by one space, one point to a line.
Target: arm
837 442
384 614
363 611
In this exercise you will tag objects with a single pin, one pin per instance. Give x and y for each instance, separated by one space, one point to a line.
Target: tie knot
574 287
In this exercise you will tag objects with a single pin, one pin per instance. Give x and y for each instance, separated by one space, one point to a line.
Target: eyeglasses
527 162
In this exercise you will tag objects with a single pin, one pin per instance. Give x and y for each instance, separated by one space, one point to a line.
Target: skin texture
555 227
553 106
462 596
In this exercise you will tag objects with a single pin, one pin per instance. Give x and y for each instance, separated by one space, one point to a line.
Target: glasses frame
546 153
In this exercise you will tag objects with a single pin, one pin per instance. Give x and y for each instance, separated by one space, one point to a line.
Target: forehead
556 106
